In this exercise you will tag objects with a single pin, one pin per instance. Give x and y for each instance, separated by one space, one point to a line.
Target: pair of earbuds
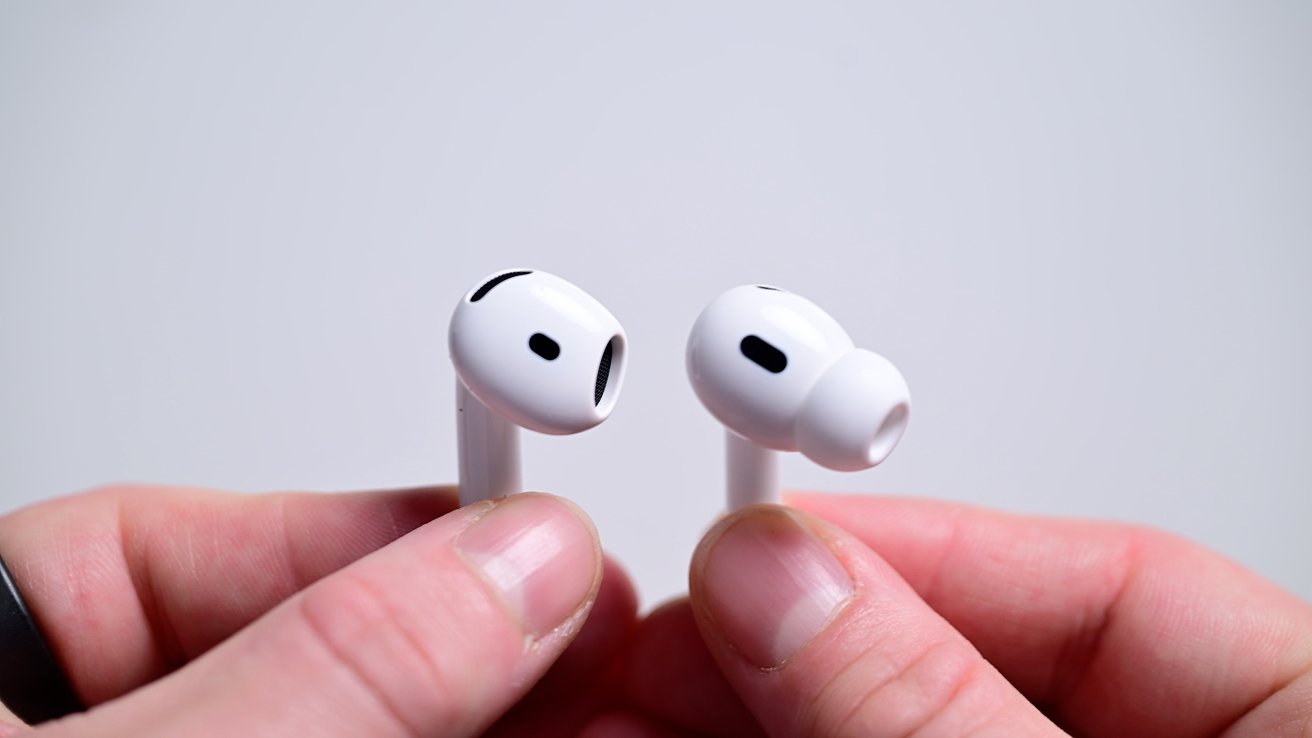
532 350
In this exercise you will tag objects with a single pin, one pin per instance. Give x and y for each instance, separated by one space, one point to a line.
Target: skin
195 612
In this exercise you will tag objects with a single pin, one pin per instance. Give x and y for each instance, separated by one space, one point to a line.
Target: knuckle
896 696
115 490
116 493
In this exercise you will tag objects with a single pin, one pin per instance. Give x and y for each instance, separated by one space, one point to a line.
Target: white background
232 238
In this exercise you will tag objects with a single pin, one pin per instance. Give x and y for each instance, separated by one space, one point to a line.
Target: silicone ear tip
855 414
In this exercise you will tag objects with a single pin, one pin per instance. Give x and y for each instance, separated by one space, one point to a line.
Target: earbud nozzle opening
888 434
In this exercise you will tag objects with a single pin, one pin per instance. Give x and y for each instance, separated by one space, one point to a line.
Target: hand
1112 630
855 616
187 612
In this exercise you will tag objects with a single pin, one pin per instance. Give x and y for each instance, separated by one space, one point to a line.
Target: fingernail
539 554
771 586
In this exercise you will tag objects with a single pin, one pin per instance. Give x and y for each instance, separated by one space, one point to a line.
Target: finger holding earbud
821 637
436 634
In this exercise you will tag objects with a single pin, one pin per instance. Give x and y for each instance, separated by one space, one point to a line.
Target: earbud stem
752 472
489 450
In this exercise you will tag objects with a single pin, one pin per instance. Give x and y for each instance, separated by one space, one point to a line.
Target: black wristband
32 685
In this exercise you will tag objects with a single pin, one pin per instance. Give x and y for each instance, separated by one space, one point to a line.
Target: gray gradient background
232 238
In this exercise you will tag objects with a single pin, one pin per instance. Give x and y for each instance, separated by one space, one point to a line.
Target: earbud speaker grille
603 372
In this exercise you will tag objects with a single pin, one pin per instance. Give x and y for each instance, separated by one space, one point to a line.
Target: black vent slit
544 346
603 373
764 354
487 286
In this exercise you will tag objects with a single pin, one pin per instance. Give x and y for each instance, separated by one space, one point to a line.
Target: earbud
530 350
782 375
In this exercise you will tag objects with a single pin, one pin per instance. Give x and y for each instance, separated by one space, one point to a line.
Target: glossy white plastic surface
504 382
489 450
751 472
489 342
761 405
842 407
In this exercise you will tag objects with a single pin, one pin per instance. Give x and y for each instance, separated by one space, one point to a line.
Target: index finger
1112 629
129 583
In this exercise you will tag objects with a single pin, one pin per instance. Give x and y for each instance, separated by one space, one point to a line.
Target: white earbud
531 350
782 375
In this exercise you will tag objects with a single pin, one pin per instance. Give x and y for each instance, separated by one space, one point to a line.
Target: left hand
191 612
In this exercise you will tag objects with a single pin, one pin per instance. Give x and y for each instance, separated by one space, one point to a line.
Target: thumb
435 634
820 636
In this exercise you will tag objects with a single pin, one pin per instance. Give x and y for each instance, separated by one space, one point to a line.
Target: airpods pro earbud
531 350
782 375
